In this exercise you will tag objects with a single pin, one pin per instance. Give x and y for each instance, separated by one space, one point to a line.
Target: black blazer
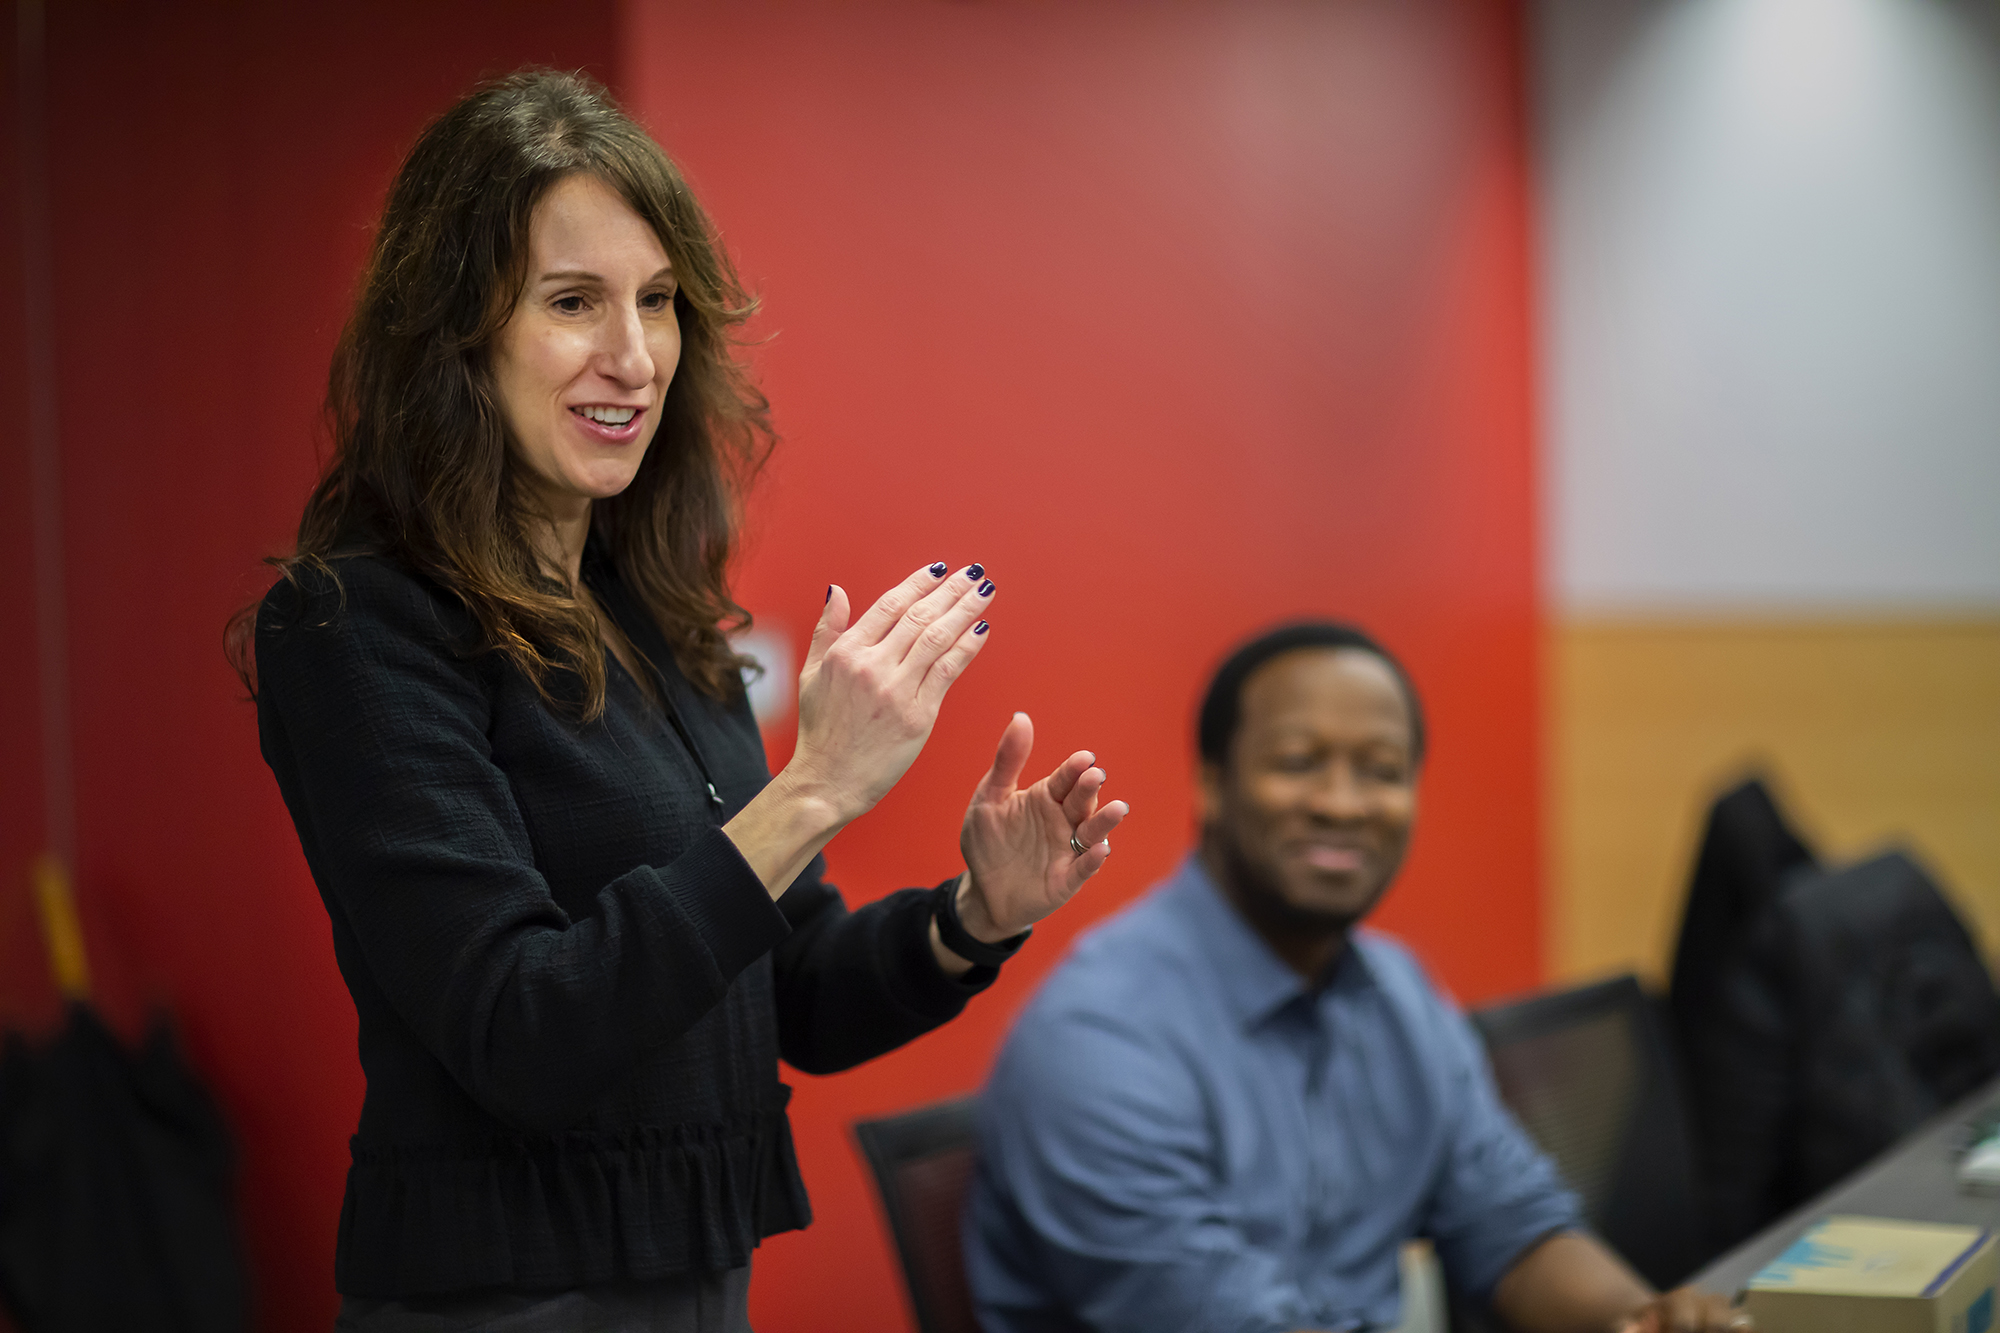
572 991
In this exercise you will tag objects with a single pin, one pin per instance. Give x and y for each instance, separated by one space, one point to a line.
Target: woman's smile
613 425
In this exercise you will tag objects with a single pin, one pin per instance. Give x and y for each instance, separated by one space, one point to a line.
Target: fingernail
980 628
975 572
829 592
986 588
939 569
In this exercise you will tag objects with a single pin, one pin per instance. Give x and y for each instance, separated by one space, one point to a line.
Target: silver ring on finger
1076 846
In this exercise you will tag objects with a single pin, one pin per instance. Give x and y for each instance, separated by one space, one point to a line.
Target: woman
579 918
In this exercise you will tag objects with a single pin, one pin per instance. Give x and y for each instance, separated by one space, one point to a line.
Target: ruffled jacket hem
652 1202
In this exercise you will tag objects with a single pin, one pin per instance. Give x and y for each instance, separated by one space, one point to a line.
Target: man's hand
1570 1283
1686 1310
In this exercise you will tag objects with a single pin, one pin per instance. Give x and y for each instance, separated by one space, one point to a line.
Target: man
1229 1109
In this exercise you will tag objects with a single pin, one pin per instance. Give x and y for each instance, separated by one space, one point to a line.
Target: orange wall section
1181 318
1872 730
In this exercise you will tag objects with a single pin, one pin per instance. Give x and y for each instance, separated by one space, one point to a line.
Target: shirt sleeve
377 731
852 985
1099 1187
1498 1193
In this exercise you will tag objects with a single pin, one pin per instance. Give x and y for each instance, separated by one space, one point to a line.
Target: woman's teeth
609 416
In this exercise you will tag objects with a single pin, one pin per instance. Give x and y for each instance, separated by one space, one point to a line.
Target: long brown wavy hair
421 469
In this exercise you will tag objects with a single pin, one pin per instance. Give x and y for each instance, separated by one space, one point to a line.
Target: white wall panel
1771 302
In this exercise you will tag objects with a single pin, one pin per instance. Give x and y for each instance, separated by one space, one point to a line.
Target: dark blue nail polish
980 628
975 572
938 570
986 588
829 592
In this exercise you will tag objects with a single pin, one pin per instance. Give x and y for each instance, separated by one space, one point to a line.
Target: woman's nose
624 353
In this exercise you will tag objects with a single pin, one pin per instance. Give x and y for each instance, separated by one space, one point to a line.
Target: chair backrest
1856 1007
923 1162
1590 1076
1747 850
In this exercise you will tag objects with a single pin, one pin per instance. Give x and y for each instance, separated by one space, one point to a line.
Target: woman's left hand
1016 840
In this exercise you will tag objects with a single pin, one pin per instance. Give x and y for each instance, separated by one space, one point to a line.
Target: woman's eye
569 305
656 302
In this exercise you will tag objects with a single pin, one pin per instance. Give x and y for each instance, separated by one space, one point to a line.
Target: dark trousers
697 1303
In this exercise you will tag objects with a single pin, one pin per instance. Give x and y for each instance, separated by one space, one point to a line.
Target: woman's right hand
869 693
868 697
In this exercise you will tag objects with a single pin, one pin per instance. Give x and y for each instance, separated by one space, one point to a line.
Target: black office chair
922 1162
1590 1076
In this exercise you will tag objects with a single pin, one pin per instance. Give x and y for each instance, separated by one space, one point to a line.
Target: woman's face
583 364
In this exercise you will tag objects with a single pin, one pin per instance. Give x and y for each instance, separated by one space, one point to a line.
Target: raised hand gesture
869 692
868 698
1029 849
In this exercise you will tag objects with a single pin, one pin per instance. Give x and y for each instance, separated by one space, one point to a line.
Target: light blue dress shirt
1182 1135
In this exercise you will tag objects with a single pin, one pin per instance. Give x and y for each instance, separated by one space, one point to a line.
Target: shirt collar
1253 981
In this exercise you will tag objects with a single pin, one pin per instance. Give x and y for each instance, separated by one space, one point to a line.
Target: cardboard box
1873 1275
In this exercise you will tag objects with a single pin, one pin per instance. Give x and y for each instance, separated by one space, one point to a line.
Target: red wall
25 994
216 170
1181 318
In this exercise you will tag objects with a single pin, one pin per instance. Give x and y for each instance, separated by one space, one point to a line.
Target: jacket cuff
929 988
729 907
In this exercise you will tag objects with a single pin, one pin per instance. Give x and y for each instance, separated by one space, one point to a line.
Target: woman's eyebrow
583 275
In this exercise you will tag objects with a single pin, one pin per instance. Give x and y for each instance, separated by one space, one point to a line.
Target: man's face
1311 813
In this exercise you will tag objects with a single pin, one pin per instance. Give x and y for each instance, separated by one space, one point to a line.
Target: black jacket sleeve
377 731
852 985
848 985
